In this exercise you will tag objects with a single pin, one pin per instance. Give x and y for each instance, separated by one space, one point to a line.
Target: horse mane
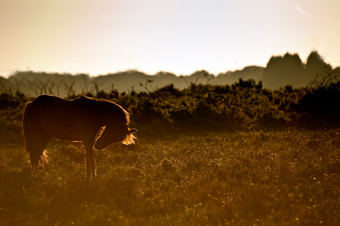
125 115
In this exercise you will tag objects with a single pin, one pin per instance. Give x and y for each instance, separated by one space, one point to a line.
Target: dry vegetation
254 177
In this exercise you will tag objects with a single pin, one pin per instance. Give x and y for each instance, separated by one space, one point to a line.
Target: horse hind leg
33 144
45 139
35 153
38 153
30 147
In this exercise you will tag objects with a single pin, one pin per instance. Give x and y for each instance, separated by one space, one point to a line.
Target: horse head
116 122
112 135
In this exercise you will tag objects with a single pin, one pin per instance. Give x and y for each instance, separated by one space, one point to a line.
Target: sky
179 36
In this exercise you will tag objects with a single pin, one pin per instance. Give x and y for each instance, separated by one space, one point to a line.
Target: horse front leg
90 163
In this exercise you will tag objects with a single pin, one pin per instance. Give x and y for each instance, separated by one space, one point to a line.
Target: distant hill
230 77
279 72
35 83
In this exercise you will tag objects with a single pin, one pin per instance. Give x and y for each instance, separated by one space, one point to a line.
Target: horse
94 122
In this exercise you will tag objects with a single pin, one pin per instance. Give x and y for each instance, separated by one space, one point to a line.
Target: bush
243 105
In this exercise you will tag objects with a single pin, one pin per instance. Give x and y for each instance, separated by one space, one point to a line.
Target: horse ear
132 131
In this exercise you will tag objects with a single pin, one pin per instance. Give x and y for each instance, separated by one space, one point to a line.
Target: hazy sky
180 36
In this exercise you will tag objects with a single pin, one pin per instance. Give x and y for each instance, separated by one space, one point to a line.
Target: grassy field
282 177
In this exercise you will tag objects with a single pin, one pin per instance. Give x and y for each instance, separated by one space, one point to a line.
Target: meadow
200 178
208 155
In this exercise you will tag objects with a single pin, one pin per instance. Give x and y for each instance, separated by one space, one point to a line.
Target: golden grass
244 178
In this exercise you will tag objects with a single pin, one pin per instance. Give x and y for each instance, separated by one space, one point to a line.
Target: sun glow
99 37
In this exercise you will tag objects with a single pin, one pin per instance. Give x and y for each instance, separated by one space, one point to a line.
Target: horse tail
26 130
30 126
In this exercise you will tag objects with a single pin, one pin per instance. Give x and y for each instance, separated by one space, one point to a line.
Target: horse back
66 119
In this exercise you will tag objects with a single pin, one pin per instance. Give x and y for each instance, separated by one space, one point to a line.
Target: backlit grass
283 177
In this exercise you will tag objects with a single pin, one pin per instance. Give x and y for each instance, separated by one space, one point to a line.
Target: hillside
279 72
35 83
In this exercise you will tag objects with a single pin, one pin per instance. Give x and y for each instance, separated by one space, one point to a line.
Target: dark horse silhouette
82 119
